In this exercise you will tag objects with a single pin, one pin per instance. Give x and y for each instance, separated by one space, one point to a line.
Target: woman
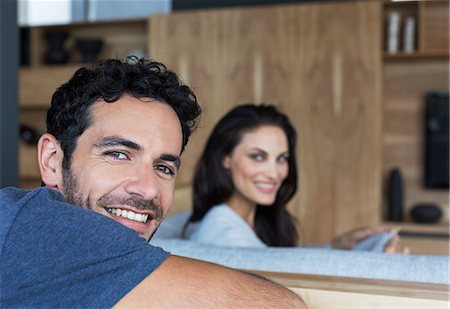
235 170
244 180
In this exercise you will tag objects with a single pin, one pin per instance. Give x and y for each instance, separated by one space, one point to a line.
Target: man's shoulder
11 195
75 253
12 201
15 197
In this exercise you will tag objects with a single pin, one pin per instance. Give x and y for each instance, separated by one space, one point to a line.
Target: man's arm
187 283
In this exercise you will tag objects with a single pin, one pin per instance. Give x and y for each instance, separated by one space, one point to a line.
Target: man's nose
144 183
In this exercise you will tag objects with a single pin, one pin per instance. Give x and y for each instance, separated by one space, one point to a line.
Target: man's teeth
128 214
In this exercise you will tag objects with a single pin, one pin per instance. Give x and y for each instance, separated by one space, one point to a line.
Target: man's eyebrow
112 141
172 158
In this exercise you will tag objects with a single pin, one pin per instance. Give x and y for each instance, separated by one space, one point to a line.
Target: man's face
124 165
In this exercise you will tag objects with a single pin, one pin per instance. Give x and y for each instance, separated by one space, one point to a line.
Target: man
115 136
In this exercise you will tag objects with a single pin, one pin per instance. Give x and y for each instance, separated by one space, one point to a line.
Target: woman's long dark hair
212 184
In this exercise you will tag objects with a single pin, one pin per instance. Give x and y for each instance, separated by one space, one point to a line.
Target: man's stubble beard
72 195
71 190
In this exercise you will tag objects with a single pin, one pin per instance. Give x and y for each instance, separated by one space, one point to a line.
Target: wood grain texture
345 292
434 27
340 118
325 76
405 86
361 285
37 85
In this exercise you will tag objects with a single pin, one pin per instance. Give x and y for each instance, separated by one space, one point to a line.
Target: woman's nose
272 169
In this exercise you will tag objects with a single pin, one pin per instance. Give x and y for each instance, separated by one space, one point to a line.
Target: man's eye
165 170
117 155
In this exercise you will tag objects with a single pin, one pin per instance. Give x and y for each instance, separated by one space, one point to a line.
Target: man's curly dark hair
69 115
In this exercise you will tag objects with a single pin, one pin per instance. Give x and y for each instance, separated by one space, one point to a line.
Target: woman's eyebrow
286 152
112 141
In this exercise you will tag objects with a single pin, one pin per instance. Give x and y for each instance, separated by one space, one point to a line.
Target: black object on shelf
29 135
89 48
426 213
437 140
55 53
395 195
25 46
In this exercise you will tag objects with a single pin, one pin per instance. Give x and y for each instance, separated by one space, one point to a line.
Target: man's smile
128 214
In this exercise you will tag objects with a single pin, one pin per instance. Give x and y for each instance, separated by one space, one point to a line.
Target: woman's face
258 165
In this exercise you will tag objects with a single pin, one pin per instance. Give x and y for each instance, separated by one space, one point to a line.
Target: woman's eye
117 155
257 157
165 170
283 159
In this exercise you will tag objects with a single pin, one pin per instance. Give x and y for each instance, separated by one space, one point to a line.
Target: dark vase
395 195
55 53
89 49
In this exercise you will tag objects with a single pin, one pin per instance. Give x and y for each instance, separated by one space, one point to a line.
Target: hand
394 246
350 239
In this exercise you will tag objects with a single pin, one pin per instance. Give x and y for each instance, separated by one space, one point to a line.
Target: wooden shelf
120 38
424 238
430 31
416 55
36 85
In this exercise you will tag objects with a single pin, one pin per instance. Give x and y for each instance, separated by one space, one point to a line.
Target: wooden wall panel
405 85
434 26
229 57
339 118
190 43
325 75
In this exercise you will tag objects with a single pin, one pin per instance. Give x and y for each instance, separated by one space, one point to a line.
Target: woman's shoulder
224 227
221 209
220 214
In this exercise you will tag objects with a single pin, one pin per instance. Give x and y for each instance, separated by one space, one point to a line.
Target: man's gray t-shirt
54 254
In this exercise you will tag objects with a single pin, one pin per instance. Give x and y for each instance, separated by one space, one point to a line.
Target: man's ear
50 157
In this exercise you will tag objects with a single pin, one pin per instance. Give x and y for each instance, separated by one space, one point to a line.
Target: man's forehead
141 122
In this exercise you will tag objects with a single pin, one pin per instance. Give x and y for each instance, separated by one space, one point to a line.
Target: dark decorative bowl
426 213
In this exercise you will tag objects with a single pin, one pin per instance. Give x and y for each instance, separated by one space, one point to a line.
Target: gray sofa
307 260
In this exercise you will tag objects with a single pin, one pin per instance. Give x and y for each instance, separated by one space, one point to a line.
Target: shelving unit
407 78
431 28
120 38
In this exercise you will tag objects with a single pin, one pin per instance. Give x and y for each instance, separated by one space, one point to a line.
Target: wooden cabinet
325 75
406 80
